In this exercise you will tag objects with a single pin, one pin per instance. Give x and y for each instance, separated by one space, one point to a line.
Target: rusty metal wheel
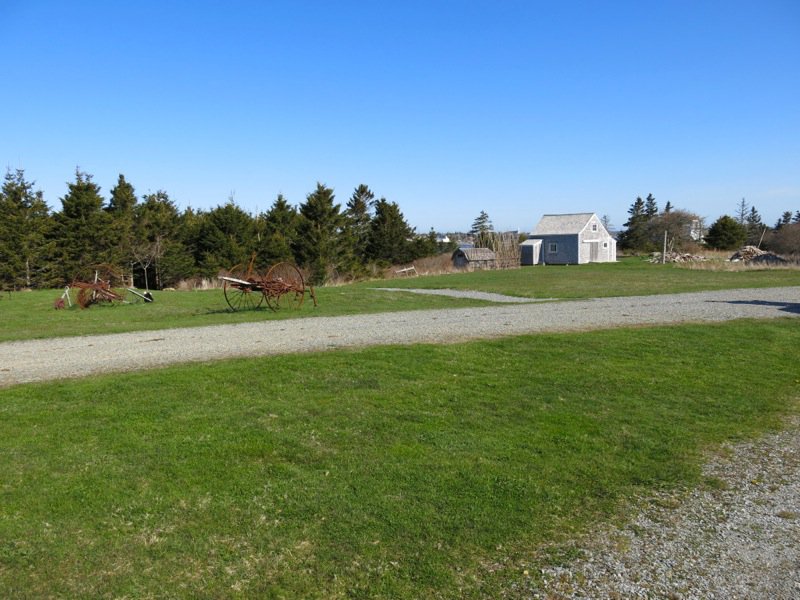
246 295
284 286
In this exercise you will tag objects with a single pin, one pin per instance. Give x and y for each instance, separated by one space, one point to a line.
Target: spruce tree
390 235
754 226
481 230
121 207
81 234
318 243
634 237
356 227
650 206
279 230
726 233
24 225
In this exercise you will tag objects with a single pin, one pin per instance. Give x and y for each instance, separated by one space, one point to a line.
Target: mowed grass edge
424 471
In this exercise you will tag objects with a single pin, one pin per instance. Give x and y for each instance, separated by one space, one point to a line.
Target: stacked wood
755 255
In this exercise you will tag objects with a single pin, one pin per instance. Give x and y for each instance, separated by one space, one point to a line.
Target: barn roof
477 253
562 224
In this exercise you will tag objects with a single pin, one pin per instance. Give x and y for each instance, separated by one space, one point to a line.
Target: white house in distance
573 239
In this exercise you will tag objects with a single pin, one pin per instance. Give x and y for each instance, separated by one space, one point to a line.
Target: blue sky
447 108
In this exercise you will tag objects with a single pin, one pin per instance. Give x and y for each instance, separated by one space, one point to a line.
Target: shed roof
477 253
562 224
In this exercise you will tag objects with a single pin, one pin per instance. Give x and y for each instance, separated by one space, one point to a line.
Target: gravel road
58 358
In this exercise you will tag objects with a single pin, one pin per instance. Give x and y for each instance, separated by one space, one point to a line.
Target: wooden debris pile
751 254
676 257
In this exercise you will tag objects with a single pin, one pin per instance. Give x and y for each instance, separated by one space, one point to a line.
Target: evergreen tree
796 218
785 219
668 207
24 224
157 243
650 206
279 230
226 238
121 207
356 228
481 230
741 212
726 233
318 243
754 226
635 237
82 229
390 235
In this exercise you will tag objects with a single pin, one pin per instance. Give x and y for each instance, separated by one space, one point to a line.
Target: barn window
552 248
594 226
605 244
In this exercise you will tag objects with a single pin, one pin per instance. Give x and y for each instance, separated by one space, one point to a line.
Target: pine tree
318 243
81 232
481 230
356 227
741 212
650 206
156 237
390 235
121 207
279 231
726 233
754 226
226 237
24 224
785 219
668 208
634 237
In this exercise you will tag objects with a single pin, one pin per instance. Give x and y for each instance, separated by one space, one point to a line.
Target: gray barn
573 239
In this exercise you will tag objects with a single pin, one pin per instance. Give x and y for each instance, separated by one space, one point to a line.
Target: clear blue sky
518 108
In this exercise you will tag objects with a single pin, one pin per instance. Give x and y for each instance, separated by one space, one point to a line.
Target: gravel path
739 540
58 358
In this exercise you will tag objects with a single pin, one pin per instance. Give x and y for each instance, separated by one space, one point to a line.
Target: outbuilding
474 259
573 239
530 252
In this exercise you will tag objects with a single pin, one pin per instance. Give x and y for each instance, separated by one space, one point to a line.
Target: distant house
572 239
474 259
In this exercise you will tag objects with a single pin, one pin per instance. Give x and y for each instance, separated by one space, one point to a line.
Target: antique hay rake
282 286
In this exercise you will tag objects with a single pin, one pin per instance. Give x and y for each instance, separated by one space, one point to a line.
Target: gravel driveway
39 360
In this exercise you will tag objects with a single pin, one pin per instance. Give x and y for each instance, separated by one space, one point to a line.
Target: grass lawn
414 472
25 315
628 277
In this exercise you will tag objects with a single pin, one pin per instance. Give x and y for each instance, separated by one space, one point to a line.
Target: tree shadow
789 307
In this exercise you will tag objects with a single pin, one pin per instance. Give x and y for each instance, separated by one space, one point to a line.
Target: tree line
646 227
148 239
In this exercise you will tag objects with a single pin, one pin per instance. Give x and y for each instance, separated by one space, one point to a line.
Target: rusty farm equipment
107 286
282 286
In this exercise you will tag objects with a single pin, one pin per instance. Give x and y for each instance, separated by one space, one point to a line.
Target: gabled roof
562 224
477 253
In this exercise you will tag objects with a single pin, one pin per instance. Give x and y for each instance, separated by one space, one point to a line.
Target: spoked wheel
240 296
284 286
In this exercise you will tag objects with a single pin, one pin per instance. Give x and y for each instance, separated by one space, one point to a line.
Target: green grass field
428 471
25 315
415 472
